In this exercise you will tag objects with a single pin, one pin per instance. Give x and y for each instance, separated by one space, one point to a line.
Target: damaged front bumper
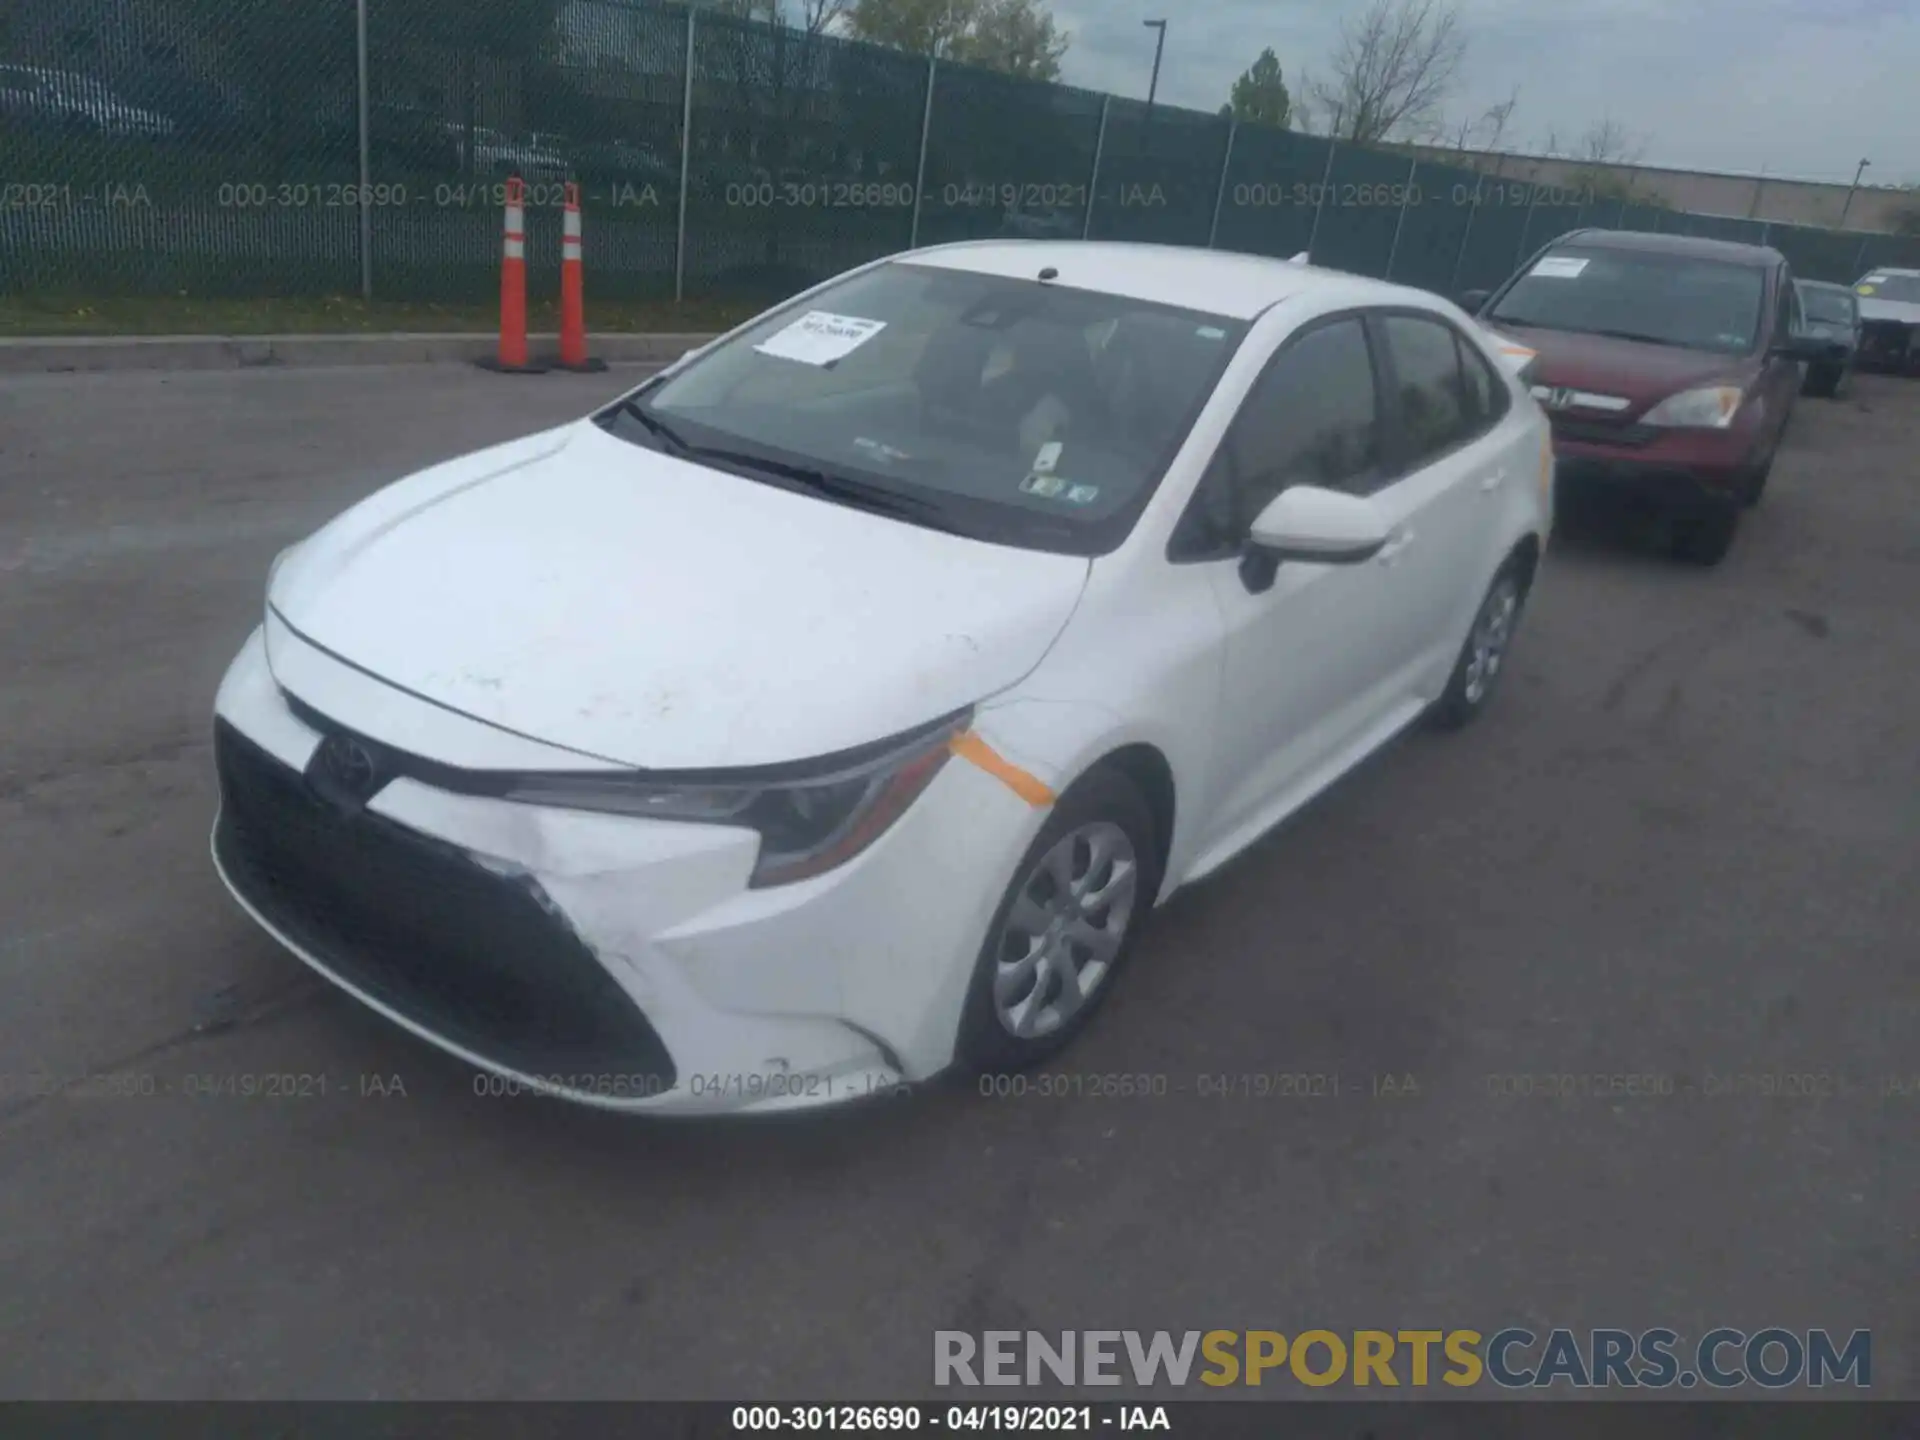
613 961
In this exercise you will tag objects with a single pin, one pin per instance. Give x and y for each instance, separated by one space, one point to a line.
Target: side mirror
1321 527
1471 300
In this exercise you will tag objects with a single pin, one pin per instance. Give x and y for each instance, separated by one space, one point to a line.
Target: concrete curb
55 354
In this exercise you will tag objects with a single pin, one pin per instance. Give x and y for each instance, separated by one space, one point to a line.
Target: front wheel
1705 538
1484 655
1063 929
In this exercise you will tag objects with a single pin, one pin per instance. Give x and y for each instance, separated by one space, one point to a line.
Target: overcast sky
1795 87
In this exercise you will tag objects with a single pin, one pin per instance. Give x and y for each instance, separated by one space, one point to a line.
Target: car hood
638 608
1633 370
1904 312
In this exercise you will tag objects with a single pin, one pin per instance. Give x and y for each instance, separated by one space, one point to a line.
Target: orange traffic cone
573 312
512 358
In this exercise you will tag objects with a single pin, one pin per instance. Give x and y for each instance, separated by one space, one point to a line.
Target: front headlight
808 823
1712 408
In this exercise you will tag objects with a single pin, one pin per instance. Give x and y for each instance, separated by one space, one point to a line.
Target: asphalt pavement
1684 844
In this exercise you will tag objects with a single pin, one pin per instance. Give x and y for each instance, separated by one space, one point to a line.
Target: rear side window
1487 397
1443 404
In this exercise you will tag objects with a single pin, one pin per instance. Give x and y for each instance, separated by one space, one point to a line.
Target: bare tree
812 17
1608 142
1480 132
1392 71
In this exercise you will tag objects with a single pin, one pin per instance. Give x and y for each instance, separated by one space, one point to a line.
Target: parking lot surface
1685 843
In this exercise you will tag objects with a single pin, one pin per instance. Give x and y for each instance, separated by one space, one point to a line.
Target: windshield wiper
1530 324
1643 339
841 488
655 426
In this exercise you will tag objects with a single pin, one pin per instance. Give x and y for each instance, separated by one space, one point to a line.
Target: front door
1309 647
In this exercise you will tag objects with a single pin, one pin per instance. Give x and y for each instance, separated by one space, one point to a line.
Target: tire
1823 382
1482 657
1705 538
1102 807
1755 483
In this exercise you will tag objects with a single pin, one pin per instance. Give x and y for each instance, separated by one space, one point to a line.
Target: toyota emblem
349 764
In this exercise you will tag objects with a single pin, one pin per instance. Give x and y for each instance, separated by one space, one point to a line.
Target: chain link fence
256 148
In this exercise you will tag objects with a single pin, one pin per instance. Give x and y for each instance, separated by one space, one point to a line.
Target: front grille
1601 432
1885 337
468 954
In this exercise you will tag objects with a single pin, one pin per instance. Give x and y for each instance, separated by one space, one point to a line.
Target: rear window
1835 307
1678 300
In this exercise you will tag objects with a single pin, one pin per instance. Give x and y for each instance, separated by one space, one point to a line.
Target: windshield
1005 409
1678 300
1824 303
1904 289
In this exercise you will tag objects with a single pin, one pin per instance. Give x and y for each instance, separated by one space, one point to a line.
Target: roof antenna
1050 273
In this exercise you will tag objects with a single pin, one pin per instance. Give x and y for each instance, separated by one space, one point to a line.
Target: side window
1487 396
1312 418
1435 409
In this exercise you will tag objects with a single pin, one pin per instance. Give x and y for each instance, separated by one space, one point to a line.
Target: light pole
1851 190
1159 47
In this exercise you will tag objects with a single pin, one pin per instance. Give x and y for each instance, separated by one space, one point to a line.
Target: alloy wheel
1064 929
1492 631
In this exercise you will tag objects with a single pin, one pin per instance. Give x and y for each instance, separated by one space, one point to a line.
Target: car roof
1217 282
1658 243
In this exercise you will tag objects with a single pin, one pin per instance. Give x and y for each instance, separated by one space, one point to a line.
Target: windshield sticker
820 338
1048 458
1082 494
1559 267
1866 289
880 450
1047 487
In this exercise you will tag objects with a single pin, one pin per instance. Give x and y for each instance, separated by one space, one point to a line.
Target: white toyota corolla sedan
831 710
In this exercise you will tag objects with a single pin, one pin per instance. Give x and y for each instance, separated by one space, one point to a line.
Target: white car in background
1889 317
832 709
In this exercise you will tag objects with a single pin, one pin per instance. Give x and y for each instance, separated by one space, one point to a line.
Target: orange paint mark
975 751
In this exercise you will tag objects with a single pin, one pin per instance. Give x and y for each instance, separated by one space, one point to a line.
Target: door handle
1390 552
1494 481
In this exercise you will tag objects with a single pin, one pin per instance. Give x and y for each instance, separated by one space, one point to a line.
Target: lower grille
1601 432
1885 339
468 954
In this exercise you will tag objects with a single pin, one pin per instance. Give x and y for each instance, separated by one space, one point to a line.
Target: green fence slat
1359 210
213 149
1439 213
1006 157
1272 183
1159 174
1492 250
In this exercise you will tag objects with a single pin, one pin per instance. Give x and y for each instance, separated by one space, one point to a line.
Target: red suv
1668 366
